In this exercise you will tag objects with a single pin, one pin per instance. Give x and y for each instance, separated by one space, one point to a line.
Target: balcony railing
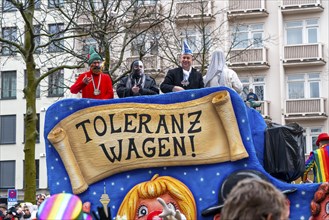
264 109
151 62
194 9
249 58
144 14
297 6
253 8
303 53
306 107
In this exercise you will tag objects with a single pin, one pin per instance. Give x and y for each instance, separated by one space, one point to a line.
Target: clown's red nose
154 215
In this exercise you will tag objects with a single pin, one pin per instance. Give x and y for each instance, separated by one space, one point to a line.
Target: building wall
275 77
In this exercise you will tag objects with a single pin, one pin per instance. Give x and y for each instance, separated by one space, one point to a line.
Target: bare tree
206 27
54 37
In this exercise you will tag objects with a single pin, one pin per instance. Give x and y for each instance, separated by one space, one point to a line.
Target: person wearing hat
137 83
93 84
318 161
218 74
231 182
184 77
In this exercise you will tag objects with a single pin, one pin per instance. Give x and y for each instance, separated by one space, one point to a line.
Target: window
245 36
37 39
55 3
195 39
37 4
8 85
36 173
311 134
7 6
55 31
37 75
7 129
9 33
147 2
145 44
7 174
302 32
257 83
56 84
302 86
37 128
87 43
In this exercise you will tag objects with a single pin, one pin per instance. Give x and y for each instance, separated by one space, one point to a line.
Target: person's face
150 208
40 200
286 212
138 67
3 210
186 60
96 66
27 213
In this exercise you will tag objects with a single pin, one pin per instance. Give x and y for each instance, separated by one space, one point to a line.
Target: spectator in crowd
137 83
184 77
218 74
248 191
93 84
254 198
318 161
40 198
3 209
251 96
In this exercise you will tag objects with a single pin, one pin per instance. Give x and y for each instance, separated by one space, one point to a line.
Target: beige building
280 49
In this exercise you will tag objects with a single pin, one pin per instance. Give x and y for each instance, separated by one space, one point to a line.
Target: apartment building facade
280 50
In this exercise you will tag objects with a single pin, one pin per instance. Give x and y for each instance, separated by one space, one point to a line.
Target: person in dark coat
137 83
184 77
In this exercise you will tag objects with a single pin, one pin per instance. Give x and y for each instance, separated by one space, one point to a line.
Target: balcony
144 15
247 9
247 59
151 62
303 54
194 11
300 6
264 109
305 109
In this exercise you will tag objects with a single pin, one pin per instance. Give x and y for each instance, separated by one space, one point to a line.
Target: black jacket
150 87
174 77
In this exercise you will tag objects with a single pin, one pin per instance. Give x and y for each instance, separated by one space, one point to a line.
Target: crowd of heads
21 211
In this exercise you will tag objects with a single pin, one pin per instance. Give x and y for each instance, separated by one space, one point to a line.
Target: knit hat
186 48
322 137
93 56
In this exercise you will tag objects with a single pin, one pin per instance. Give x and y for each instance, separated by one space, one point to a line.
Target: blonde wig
153 189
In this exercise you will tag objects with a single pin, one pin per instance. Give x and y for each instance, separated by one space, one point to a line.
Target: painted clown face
149 209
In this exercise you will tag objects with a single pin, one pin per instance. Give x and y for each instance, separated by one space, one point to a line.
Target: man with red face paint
184 77
94 84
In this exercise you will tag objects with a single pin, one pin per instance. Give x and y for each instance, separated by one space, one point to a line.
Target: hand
86 80
168 213
177 89
135 89
308 181
101 214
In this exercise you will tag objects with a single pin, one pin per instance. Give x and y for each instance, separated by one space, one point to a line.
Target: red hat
322 137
